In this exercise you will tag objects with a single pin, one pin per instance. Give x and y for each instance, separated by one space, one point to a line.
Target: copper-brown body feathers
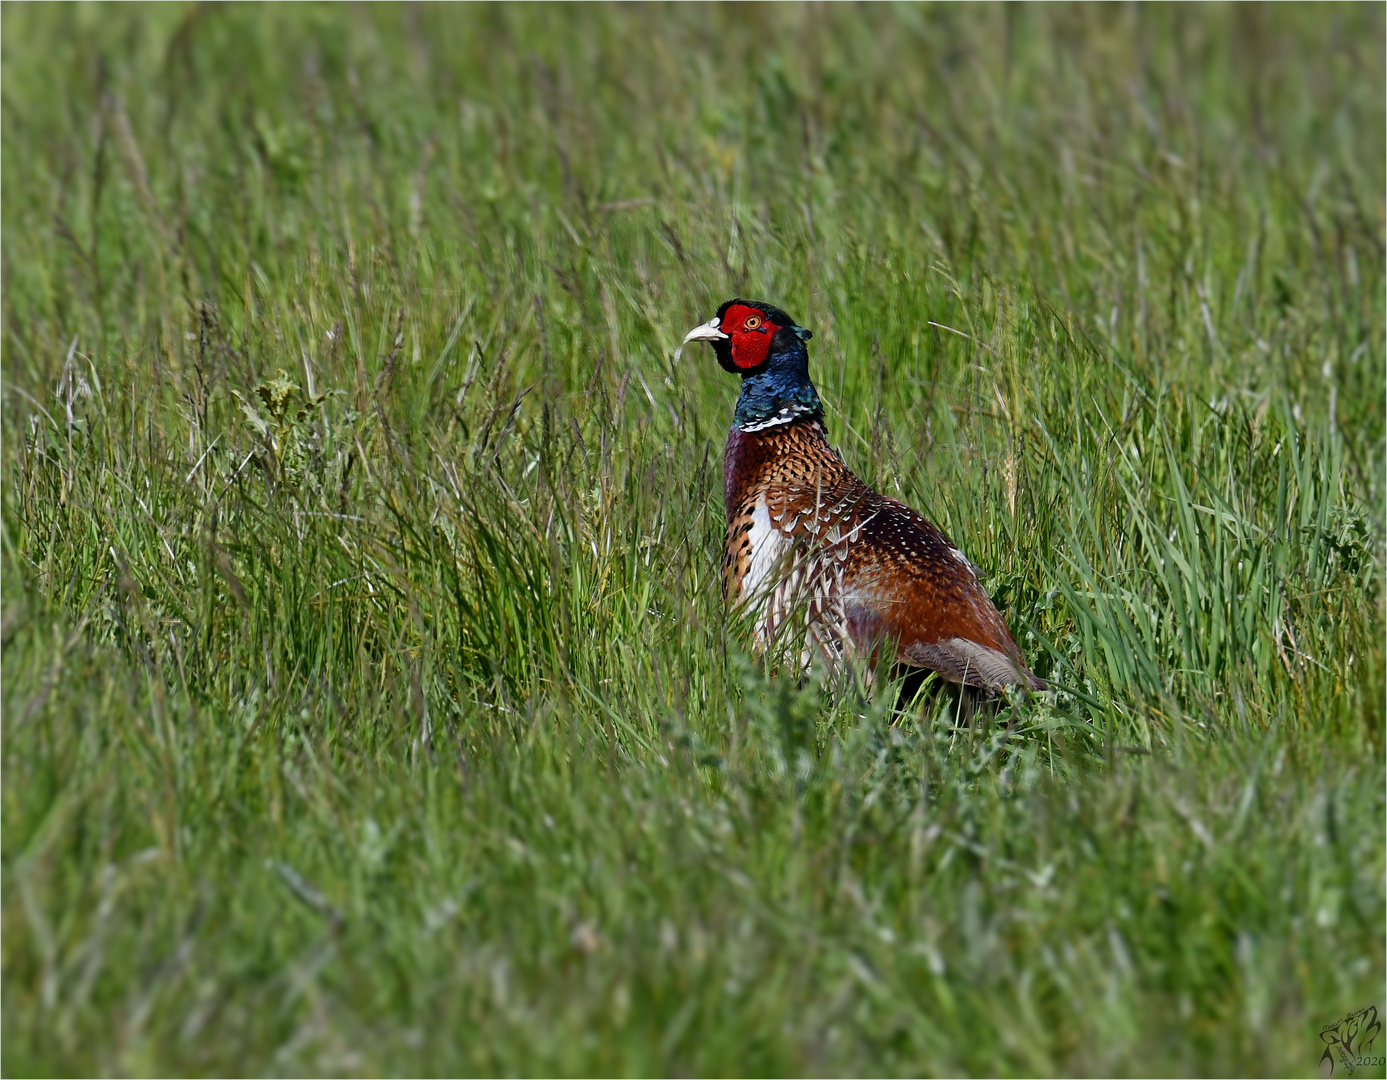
810 546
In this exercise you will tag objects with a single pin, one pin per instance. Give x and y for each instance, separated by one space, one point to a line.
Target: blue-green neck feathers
779 392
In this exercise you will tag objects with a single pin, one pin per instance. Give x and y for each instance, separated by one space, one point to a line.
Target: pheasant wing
907 583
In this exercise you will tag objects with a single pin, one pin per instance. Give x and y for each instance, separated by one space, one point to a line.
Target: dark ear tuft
802 333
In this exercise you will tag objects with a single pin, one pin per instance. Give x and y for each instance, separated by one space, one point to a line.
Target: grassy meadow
369 704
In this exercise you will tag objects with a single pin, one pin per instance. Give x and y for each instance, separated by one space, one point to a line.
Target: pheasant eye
752 322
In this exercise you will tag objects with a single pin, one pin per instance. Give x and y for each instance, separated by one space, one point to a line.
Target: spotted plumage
813 554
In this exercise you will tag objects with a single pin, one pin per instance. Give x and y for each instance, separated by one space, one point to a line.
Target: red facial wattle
750 333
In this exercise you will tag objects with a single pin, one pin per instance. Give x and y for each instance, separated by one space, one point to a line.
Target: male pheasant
870 576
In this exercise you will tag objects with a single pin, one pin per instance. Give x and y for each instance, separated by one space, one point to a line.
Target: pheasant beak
704 332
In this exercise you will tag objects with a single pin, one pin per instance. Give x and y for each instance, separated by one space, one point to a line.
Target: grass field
369 705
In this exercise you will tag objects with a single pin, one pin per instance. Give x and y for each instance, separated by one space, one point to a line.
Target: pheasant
869 577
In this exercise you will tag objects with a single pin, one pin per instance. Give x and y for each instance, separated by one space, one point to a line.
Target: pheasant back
869 577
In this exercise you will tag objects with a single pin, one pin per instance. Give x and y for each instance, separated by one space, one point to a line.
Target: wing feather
876 574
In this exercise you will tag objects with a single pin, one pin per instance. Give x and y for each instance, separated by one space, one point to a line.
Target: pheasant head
766 348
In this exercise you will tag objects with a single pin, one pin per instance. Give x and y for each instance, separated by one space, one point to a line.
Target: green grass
369 705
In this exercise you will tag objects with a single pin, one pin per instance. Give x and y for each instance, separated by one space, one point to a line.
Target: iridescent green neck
779 392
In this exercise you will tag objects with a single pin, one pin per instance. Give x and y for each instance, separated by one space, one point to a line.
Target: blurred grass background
368 705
